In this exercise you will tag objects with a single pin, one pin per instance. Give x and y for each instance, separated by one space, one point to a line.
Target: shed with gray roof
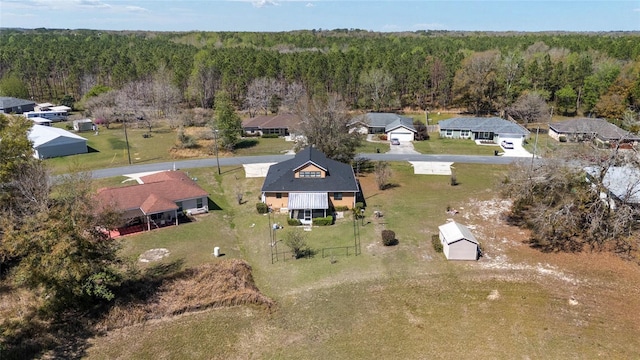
458 243
589 129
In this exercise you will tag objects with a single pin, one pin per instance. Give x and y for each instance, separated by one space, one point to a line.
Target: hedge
437 244
323 221
294 222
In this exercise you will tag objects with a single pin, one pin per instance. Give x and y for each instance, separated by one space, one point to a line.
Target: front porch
307 206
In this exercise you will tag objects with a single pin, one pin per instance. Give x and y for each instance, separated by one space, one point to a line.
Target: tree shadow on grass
246 143
117 144
389 186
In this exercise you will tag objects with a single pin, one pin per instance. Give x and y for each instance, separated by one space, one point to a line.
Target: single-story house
309 185
622 183
83 125
458 243
590 129
51 142
157 200
281 124
393 125
492 129
11 105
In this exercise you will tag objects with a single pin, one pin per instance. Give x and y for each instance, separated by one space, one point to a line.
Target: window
464 134
278 195
449 133
309 174
199 203
179 204
337 196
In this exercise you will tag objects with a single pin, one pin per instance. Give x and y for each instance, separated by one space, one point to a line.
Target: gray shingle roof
402 121
381 119
598 127
477 124
280 177
11 102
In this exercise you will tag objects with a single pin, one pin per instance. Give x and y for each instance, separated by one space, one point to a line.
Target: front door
307 216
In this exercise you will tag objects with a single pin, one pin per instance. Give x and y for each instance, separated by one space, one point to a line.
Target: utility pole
215 138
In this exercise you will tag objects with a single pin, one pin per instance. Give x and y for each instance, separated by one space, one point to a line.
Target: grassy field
438 145
404 301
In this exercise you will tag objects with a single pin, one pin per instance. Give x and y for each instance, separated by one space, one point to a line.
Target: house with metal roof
458 243
51 142
393 125
158 200
11 105
622 183
586 129
309 185
478 128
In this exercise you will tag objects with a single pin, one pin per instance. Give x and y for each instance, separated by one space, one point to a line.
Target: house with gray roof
622 183
492 129
309 185
11 105
393 125
586 129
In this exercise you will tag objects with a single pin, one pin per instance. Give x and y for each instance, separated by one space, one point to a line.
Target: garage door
515 140
401 135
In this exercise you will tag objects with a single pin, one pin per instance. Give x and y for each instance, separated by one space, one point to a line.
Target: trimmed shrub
437 244
262 208
341 208
324 221
293 222
270 136
562 138
389 238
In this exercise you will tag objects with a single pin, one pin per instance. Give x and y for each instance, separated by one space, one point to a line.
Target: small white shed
458 243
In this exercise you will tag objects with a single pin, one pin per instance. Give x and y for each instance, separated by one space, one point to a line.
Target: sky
286 15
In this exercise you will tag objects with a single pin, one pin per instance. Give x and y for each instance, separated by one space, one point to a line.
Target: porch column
176 211
148 223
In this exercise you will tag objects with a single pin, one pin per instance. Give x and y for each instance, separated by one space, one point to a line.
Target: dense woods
575 73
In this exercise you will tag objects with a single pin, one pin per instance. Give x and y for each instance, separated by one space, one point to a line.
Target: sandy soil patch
153 255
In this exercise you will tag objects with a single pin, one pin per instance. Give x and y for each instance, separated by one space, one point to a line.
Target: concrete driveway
405 147
517 151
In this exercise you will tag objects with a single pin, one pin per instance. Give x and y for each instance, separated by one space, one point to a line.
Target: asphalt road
236 161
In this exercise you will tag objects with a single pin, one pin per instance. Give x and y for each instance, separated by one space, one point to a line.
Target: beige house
458 243
310 185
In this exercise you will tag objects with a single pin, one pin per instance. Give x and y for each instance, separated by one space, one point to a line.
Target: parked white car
507 144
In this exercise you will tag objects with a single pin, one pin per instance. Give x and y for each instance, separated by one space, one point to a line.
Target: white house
458 243
51 142
393 125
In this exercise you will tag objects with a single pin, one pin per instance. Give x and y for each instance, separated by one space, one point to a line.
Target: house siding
310 167
348 199
190 205
275 203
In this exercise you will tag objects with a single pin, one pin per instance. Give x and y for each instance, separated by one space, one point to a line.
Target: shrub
293 222
341 208
382 136
389 238
454 180
562 138
324 221
270 136
437 244
262 208
359 205
296 240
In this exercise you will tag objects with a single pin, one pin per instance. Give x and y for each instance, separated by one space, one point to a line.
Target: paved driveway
405 147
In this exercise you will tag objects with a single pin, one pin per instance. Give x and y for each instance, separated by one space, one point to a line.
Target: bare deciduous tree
259 94
530 107
376 87
383 174
326 124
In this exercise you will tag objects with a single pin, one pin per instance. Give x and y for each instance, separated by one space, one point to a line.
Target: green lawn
437 145
404 301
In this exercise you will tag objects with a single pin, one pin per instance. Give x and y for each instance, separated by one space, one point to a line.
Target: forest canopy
577 73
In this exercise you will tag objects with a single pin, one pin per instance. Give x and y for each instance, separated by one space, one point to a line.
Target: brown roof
280 121
159 193
598 127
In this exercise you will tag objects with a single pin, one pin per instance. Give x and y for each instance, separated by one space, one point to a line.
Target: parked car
507 144
395 141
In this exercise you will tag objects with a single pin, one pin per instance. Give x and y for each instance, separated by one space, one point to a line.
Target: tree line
574 73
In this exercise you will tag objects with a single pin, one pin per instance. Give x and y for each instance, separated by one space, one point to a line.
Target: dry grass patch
226 283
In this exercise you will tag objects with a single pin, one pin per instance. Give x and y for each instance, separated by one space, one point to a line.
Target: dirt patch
153 255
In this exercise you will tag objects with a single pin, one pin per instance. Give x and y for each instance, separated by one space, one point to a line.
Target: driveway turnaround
256 170
431 167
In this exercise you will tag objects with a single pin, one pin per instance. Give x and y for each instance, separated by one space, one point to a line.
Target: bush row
323 221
